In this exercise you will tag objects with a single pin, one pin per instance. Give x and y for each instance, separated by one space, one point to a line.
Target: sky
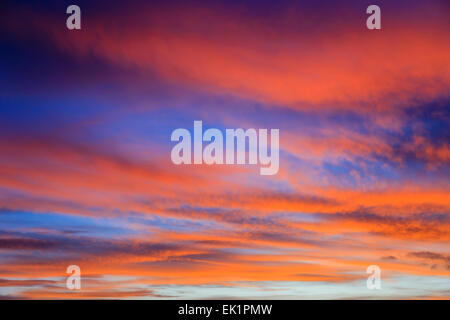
86 176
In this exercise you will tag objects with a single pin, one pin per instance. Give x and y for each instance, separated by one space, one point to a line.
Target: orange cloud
343 68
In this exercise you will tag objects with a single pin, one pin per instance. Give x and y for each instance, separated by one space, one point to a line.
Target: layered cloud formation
85 170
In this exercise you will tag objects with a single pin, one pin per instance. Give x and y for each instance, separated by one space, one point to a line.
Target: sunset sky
86 176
